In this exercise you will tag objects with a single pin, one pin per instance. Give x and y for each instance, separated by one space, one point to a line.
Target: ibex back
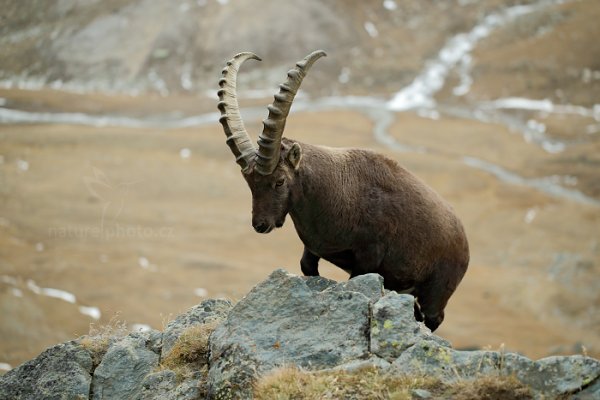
354 208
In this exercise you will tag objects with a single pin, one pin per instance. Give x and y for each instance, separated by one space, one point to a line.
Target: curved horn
237 137
269 141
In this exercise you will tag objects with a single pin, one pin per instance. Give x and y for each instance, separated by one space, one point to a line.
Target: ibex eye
279 182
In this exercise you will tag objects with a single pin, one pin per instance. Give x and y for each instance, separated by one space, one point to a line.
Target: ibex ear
295 155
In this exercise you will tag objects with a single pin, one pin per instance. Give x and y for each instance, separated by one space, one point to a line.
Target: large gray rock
435 359
287 319
127 362
559 375
394 328
205 312
552 376
60 372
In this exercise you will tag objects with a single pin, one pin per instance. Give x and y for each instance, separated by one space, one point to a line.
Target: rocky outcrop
60 372
207 311
126 45
125 365
311 322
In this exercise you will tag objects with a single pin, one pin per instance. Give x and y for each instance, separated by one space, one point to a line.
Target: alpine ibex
354 208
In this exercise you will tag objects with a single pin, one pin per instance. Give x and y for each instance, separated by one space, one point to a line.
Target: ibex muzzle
354 208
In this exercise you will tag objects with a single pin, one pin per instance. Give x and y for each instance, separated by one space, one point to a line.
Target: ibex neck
319 203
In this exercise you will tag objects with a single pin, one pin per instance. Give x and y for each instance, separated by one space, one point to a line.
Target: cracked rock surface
311 322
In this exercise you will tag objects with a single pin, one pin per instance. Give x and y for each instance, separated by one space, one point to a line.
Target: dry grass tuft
191 347
491 387
99 338
368 383
292 383
189 354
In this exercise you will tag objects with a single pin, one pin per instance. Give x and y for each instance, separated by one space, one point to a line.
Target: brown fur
364 213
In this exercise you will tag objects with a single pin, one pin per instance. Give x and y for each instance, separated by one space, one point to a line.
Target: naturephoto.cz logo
112 198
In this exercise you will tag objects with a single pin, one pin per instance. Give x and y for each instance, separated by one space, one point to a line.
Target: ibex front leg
309 263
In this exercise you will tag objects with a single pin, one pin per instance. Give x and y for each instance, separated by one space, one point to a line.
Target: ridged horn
269 141
237 137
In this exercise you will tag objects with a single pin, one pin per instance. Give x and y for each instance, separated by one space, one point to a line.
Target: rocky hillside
167 46
375 47
221 351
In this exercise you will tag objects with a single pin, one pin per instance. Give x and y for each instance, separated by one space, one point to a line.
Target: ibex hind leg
419 316
432 297
309 264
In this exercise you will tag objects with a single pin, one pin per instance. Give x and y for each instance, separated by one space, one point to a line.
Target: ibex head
270 170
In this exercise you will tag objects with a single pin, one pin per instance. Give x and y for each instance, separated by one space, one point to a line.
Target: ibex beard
355 208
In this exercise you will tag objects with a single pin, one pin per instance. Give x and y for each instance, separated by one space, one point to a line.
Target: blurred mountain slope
174 46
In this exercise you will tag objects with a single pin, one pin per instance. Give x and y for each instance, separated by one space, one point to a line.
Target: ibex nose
261 227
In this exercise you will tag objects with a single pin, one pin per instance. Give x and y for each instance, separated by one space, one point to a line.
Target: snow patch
185 153
428 113
186 78
371 29
50 292
546 185
421 91
22 165
466 80
546 105
24 82
11 116
344 76
390 5
530 215
8 116
143 262
93 312
536 126
158 83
